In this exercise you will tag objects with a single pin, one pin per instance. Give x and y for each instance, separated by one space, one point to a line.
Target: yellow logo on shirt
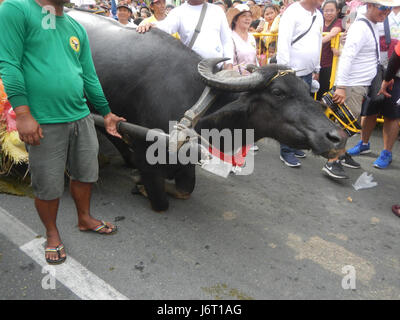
74 43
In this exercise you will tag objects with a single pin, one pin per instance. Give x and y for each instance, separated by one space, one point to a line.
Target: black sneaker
299 154
335 170
347 161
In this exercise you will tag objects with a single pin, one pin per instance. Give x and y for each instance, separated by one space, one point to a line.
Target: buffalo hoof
160 208
181 195
141 190
136 176
171 189
135 190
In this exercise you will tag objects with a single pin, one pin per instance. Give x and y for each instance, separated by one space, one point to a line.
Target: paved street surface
280 233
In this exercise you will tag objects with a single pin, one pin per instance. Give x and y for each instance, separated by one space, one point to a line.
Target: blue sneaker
359 148
384 159
289 159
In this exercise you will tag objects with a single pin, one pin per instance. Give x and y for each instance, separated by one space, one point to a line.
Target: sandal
396 210
58 250
102 226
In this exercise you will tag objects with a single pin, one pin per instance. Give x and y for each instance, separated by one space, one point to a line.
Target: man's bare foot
95 225
54 252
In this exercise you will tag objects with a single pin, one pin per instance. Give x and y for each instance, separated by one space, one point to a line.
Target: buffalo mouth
331 154
330 144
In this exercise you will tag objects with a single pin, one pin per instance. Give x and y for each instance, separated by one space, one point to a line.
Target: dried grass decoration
12 149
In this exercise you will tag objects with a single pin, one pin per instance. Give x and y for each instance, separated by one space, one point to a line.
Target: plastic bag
364 181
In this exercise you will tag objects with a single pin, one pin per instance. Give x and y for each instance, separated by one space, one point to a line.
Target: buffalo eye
277 92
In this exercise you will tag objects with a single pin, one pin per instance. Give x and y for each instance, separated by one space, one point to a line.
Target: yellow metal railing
264 39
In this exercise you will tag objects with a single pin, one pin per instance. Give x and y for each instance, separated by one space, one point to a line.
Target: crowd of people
291 34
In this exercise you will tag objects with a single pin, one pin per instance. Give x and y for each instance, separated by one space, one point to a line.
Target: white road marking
82 282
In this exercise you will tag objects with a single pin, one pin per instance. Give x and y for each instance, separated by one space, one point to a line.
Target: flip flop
396 210
100 227
58 250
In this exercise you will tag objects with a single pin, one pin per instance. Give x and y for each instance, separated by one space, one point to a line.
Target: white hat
234 11
242 7
387 3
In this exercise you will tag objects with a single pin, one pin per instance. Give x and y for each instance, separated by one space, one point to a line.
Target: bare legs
47 210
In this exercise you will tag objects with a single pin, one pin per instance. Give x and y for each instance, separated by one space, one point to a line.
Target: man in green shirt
47 70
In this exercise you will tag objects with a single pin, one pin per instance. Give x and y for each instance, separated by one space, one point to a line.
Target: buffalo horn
225 80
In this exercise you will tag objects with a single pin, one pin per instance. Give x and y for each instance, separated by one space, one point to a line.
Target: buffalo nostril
334 136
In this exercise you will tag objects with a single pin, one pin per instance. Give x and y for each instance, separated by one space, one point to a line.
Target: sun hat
232 13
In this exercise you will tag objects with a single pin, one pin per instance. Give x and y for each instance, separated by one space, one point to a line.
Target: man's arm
12 24
354 43
285 35
93 89
226 40
390 73
394 64
169 25
318 66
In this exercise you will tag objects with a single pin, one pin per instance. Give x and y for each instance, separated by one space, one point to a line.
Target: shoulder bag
304 33
377 81
198 27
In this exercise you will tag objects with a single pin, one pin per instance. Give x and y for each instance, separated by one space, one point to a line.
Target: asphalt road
280 233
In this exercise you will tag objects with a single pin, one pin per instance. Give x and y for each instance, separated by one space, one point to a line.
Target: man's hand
339 96
336 52
228 66
110 123
343 38
144 27
28 128
260 27
386 85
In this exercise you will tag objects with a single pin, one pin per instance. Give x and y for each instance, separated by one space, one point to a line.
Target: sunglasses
382 8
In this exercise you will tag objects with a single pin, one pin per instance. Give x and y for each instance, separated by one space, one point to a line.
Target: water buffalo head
276 104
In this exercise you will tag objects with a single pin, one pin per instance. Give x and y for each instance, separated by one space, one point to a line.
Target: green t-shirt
46 63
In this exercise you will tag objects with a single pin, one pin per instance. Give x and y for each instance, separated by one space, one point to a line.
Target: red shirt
327 54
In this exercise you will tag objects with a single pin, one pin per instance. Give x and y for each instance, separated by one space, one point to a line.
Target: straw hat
256 12
233 12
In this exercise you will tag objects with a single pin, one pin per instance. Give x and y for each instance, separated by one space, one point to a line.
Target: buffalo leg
185 180
121 146
155 188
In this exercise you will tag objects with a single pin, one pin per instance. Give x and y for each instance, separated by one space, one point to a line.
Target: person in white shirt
302 55
299 47
214 39
390 108
357 68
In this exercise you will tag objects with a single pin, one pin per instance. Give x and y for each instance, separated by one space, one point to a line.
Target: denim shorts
71 146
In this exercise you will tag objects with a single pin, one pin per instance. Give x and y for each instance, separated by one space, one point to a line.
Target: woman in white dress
244 44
